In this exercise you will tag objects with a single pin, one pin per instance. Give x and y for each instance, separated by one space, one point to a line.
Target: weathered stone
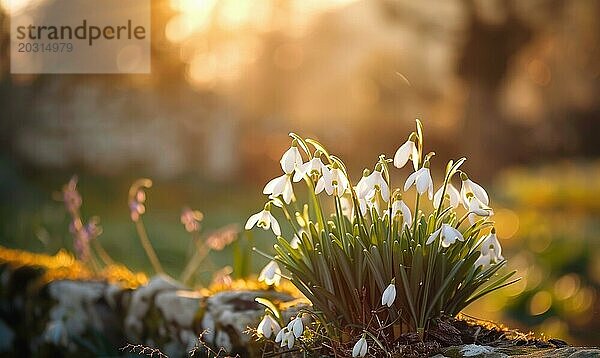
229 314
141 301
178 308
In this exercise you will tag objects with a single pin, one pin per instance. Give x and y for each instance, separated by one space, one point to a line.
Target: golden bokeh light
566 286
540 303
507 222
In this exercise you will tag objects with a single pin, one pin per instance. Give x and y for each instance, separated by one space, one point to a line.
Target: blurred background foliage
513 85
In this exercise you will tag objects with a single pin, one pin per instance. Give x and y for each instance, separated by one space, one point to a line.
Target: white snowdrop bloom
360 348
291 160
362 206
270 274
314 167
276 201
491 251
347 206
333 181
268 326
470 187
448 234
296 327
279 336
389 295
375 199
295 241
368 184
287 338
280 186
265 220
477 208
407 151
451 193
422 180
400 208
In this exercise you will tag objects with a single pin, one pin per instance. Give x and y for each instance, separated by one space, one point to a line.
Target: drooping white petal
450 235
451 193
404 153
363 350
280 186
324 182
360 348
275 224
433 236
389 295
479 192
252 220
339 179
490 246
290 339
295 243
265 327
454 195
483 260
399 207
422 181
280 335
291 160
437 197
410 180
270 274
362 187
296 326
470 187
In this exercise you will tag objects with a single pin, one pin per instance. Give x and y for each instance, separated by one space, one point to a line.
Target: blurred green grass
33 217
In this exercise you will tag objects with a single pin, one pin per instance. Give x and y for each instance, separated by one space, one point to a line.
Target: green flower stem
416 219
104 256
141 230
316 204
202 250
290 219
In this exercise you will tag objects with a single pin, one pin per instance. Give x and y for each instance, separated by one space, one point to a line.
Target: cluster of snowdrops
371 267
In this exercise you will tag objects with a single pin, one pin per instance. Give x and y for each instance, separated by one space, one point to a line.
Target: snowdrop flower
407 151
279 336
291 159
371 182
285 337
375 199
270 274
389 295
265 220
451 193
295 241
470 187
347 206
296 327
400 208
268 326
477 208
333 181
360 348
448 234
280 186
312 168
422 180
491 251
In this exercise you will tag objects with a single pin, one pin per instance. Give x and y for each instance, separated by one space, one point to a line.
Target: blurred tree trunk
485 59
